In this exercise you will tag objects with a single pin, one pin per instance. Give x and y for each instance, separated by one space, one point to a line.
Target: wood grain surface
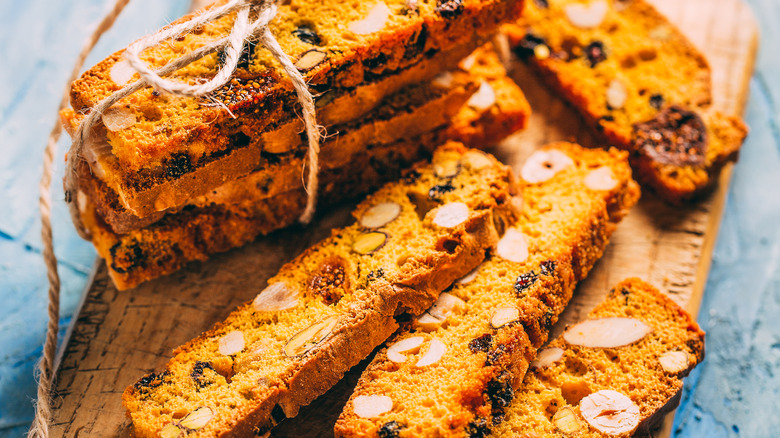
119 336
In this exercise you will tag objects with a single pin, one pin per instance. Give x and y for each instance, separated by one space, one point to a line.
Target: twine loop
232 46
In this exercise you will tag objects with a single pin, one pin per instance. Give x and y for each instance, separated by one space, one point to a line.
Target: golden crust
647 68
474 380
268 377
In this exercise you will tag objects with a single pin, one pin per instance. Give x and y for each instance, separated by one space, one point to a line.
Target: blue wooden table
733 393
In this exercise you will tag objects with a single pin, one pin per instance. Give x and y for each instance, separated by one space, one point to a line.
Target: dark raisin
547 267
498 418
478 428
391 429
525 48
411 176
625 291
482 343
500 390
542 3
126 257
330 282
247 55
150 381
595 53
155 93
449 8
524 281
674 136
373 275
656 101
437 191
548 319
415 49
375 62
307 35
277 414
494 355
197 373
178 165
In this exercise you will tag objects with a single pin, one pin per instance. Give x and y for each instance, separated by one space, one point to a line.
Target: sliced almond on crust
610 412
547 357
310 59
367 243
428 322
674 361
435 351
477 160
484 98
446 305
607 332
587 16
468 278
374 21
171 430
444 80
616 94
567 421
308 338
395 351
543 165
118 118
275 297
504 316
231 343
121 72
371 406
513 246
451 215
197 419
380 215
601 179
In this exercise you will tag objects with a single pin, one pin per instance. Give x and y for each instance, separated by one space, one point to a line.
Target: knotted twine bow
243 29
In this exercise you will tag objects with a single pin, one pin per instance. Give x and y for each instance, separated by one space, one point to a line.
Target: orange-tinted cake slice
452 370
329 307
616 374
638 82
161 148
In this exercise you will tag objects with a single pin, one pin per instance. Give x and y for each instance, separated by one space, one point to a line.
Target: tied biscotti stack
167 180
640 85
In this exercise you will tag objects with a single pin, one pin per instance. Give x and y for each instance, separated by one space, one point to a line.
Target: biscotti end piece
616 374
640 85
328 308
453 369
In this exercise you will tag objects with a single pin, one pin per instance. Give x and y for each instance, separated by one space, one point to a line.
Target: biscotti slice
335 45
498 109
211 227
640 85
616 374
329 307
451 371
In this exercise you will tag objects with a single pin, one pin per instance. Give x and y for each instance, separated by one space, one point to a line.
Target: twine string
232 45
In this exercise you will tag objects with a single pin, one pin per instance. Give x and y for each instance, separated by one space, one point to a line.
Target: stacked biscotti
638 82
452 370
331 306
169 180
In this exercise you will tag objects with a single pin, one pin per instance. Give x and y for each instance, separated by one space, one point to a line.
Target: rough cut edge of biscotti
616 305
168 186
674 181
552 273
195 233
409 113
475 126
361 57
399 279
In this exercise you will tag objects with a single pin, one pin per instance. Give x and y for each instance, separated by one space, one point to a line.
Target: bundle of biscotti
391 79
638 82
476 104
331 306
452 370
615 374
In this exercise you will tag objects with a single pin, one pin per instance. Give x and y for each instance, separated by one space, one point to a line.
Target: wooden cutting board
119 336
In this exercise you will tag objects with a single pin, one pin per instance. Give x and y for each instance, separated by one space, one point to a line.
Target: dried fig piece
331 281
675 136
